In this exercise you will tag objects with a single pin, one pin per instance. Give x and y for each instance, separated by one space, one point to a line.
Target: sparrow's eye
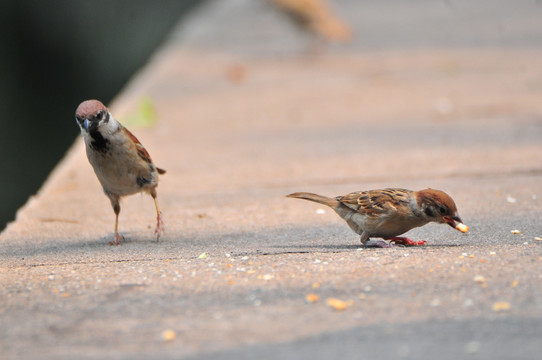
99 114
442 210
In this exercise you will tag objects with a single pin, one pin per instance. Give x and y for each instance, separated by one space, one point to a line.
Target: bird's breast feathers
120 169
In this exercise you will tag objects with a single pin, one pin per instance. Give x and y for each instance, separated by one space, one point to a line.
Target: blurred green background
56 54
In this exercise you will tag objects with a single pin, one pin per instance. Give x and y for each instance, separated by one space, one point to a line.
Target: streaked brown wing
374 202
139 147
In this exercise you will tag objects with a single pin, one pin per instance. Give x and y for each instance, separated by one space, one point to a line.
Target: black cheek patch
141 181
429 212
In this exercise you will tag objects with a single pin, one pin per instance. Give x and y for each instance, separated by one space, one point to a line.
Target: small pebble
472 347
443 105
511 199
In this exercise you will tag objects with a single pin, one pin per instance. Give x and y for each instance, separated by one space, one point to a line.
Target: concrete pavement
240 125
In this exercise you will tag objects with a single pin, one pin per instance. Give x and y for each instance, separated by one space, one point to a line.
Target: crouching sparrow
388 213
120 162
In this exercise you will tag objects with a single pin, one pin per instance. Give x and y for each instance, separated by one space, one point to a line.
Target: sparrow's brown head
440 207
90 113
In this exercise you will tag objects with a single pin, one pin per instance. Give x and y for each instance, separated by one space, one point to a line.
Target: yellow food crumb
312 298
169 335
501 306
336 304
462 227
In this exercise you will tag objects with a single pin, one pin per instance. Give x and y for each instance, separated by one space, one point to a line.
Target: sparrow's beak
451 220
86 124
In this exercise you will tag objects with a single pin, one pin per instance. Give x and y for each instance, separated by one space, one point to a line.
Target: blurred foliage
144 116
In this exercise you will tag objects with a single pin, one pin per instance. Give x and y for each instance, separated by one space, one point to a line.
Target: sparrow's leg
406 241
116 208
159 221
365 240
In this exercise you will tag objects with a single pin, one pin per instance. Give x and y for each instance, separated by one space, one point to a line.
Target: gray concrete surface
246 119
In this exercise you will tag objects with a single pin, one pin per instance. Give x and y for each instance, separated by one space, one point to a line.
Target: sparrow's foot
160 227
378 243
118 239
406 241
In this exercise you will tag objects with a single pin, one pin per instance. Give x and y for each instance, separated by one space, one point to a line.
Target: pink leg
159 226
159 221
118 239
406 241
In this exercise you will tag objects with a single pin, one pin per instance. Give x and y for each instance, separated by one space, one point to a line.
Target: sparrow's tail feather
331 202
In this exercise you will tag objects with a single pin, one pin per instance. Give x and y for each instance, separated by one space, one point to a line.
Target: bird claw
118 240
379 244
406 241
160 227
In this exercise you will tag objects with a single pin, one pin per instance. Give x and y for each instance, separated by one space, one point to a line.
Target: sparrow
317 17
388 213
120 162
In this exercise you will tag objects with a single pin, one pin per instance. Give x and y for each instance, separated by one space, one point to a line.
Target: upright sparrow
388 213
120 162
